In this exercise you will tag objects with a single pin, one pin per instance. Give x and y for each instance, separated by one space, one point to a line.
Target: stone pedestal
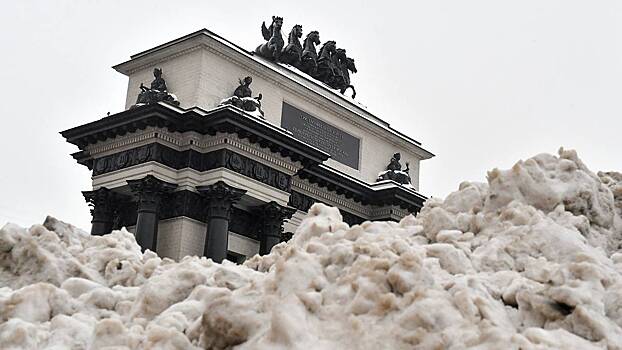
219 198
150 191
272 215
102 202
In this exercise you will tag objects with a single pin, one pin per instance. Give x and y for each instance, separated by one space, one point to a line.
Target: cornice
305 187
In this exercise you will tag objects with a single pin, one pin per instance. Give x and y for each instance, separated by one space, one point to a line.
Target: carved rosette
273 216
150 191
219 198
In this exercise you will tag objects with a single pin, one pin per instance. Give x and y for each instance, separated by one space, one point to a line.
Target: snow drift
530 260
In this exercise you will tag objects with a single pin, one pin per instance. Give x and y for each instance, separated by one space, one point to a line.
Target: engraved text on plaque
341 146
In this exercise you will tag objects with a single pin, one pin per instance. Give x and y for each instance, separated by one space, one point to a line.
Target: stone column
272 215
102 203
219 198
150 191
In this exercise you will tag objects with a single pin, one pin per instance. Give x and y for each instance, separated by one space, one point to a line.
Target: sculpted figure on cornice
272 34
394 171
158 91
242 98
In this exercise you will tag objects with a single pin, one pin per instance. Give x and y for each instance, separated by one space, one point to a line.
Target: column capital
275 212
219 198
150 190
100 197
272 215
103 203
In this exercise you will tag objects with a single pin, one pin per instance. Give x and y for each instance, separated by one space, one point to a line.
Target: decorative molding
340 201
391 212
192 141
303 202
222 158
164 59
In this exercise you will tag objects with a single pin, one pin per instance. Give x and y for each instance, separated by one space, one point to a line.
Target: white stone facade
202 69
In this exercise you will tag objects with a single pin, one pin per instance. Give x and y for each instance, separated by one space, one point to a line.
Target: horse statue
346 64
292 53
325 63
272 49
308 60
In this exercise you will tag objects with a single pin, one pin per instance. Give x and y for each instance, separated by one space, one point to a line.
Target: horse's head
313 37
341 54
277 22
350 64
329 47
296 31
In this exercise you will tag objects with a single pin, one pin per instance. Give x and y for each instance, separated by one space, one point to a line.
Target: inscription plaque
341 146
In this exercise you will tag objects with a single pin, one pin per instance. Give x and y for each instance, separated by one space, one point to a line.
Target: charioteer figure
242 98
157 92
394 171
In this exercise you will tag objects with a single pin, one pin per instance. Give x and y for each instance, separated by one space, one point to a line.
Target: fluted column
102 202
150 191
219 198
272 216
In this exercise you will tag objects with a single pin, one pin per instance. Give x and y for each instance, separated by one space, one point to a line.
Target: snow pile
528 261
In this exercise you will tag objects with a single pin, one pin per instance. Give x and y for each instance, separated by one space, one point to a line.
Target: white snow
529 260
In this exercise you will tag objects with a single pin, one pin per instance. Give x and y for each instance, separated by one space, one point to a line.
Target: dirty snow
529 260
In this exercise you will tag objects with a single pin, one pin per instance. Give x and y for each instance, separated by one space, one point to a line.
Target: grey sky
479 83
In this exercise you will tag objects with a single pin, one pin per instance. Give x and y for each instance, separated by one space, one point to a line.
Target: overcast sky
481 84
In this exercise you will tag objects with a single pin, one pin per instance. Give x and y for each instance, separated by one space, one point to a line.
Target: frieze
222 158
189 140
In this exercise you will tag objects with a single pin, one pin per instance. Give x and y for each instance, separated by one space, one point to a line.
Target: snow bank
530 260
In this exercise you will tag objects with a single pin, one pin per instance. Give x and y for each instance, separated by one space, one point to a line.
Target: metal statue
325 62
157 92
394 171
244 89
346 65
331 66
242 98
292 53
308 60
272 49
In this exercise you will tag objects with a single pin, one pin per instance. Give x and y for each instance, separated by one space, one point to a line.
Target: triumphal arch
221 150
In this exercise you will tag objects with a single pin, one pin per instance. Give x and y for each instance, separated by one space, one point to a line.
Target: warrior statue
242 98
292 53
308 60
394 171
157 92
272 49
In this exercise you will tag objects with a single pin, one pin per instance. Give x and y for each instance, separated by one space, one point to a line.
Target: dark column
102 203
149 191
219 198
272 215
